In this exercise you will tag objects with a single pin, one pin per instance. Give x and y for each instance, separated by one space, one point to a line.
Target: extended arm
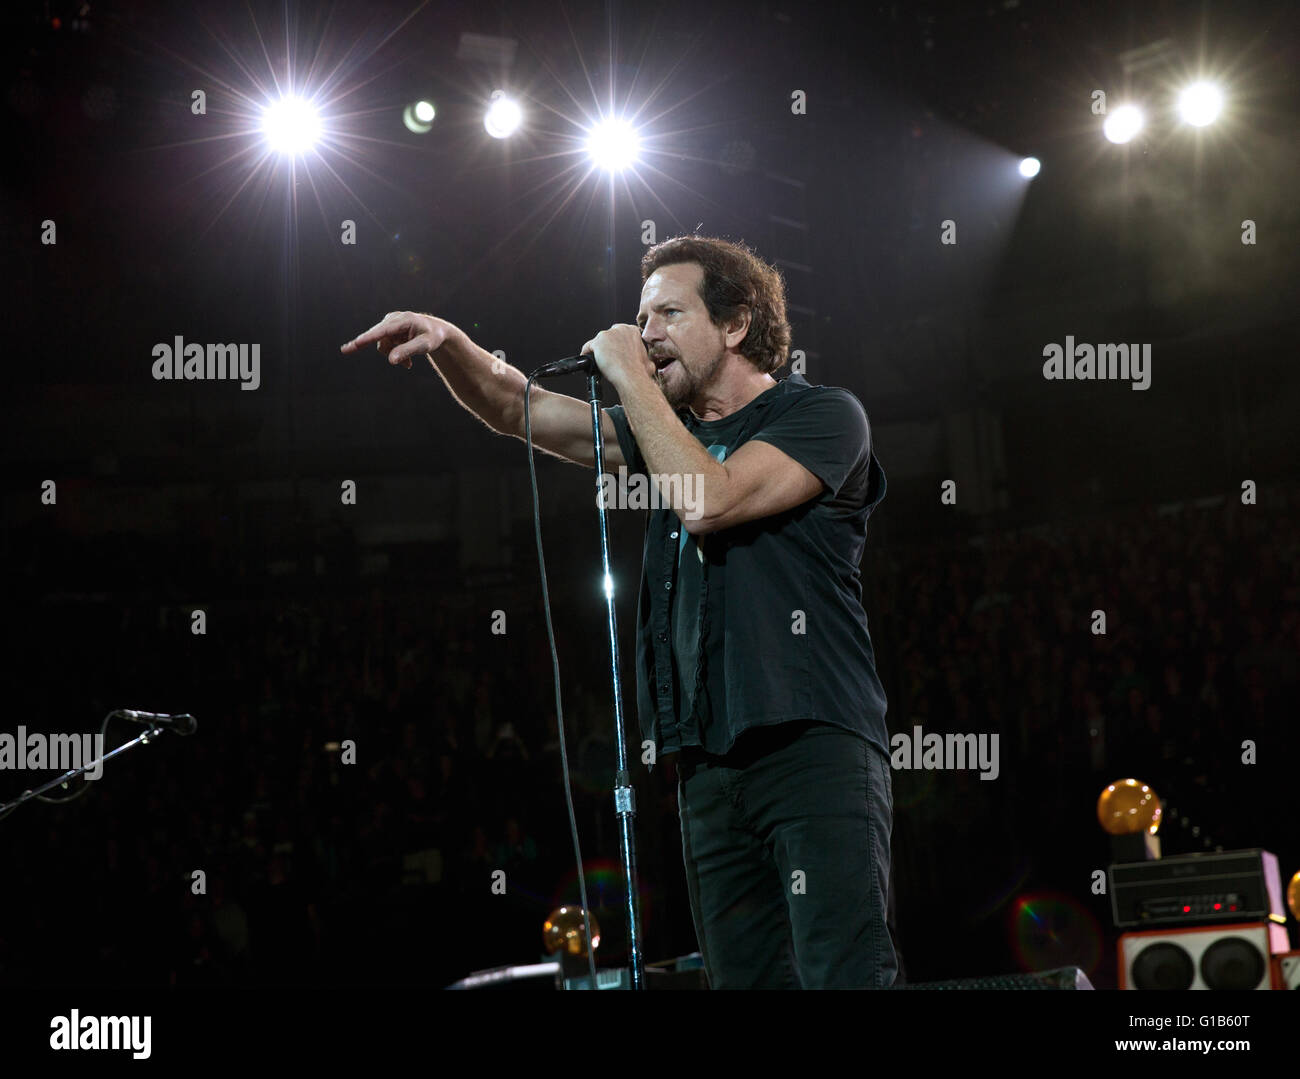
489 387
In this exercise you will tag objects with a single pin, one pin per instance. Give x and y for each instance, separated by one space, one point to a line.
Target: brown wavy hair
734 278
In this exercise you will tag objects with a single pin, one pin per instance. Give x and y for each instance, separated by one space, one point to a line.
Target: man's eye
667 311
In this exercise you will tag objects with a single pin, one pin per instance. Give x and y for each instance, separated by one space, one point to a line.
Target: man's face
687 348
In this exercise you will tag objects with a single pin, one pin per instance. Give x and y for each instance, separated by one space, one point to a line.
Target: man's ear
742 321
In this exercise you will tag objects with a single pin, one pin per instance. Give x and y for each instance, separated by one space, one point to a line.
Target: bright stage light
1122 124
503 116
613 145
291 125
1200 103
1029 167
418 117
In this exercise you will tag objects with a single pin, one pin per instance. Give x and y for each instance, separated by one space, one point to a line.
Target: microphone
183 723
570 365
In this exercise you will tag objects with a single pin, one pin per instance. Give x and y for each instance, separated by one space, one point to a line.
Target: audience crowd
374 791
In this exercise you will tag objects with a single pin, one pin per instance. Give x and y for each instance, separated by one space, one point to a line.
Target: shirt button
673 536
668 584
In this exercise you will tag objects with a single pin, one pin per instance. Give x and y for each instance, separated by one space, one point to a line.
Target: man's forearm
671 452
482 383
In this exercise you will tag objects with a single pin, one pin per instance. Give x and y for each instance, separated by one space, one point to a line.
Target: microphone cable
555 669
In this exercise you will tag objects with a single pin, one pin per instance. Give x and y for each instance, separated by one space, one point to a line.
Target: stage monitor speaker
1060 978
1205 957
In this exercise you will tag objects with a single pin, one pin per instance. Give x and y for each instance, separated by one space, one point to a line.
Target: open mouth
662 362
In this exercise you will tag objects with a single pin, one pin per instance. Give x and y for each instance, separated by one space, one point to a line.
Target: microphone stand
624 795
141 739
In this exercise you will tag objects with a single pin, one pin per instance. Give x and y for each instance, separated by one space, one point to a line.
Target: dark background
372 621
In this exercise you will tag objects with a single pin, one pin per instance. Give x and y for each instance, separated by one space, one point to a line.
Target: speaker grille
1232 963
1062 978
1164 966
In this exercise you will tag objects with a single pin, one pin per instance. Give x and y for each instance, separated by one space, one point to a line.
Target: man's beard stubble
687 386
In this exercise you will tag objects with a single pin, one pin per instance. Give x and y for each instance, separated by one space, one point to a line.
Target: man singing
753 659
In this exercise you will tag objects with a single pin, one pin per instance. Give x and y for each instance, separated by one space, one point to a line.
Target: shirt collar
792 383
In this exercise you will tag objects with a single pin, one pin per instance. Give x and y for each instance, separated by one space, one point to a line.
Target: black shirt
779 599
695 704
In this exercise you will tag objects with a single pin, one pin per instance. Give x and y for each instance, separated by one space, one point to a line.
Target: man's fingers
406 350
405 353
376 332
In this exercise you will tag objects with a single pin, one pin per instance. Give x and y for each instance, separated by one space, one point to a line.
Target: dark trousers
786 845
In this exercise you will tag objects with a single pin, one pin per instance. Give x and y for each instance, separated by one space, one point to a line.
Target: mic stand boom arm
142 739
